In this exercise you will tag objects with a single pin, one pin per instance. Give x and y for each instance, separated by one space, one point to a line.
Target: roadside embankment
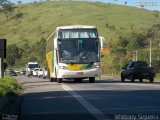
10 91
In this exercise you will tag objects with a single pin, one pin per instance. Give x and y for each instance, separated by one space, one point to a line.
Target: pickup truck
137 70
42 73
35 71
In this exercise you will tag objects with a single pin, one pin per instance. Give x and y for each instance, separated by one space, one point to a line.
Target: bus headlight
63 67
95 66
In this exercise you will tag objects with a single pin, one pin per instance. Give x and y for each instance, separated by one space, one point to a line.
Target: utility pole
1 68
3 43
136 55
133 56
150 54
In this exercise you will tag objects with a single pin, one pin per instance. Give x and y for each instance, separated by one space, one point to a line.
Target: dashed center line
93 110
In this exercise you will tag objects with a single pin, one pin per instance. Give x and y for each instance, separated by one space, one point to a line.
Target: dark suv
137 70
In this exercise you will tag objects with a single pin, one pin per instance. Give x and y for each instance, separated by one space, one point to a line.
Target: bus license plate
80 73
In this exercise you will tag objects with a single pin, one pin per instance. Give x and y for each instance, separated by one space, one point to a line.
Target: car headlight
95 66
63 67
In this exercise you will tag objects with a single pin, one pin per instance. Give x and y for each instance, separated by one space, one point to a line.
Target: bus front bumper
78 74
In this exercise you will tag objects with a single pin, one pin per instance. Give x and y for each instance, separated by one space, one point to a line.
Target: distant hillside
38 20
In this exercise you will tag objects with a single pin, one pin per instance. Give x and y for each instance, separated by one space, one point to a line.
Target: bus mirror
102 40
55 46
58 44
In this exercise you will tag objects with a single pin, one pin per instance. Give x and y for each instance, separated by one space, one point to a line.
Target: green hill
31 24
38 20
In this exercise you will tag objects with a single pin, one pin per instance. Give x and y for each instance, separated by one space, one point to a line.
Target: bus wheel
52 79
59 80
91 79
55 79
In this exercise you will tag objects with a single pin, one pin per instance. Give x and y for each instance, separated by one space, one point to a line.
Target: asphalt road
106 99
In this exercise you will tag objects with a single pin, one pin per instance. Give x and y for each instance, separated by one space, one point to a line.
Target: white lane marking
93 110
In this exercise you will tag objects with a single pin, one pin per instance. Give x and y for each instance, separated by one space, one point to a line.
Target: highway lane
106 99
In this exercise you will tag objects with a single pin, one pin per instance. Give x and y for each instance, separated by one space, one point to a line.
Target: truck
30 66
42 73
35 71
73 52
137 70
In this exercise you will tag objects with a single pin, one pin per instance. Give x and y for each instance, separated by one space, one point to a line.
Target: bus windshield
33 65
78 50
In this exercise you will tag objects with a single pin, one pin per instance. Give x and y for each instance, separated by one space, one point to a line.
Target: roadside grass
157 78
9 95
9 85
117 76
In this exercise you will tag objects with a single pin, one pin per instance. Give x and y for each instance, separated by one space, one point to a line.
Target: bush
9 85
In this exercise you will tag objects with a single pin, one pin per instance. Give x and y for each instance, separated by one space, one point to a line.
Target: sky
147 4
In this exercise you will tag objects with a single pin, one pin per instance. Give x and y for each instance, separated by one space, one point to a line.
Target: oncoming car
137 70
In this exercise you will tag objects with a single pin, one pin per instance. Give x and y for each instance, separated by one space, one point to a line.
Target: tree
156 14
32 58
125 2
40 47
19 2
25 47
7 8
123 42
136 41
12 54
154 31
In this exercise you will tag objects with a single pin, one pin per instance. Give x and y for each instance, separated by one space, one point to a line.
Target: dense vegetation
9 85
126 46
126 29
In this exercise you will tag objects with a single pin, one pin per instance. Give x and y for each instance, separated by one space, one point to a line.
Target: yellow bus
73 52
